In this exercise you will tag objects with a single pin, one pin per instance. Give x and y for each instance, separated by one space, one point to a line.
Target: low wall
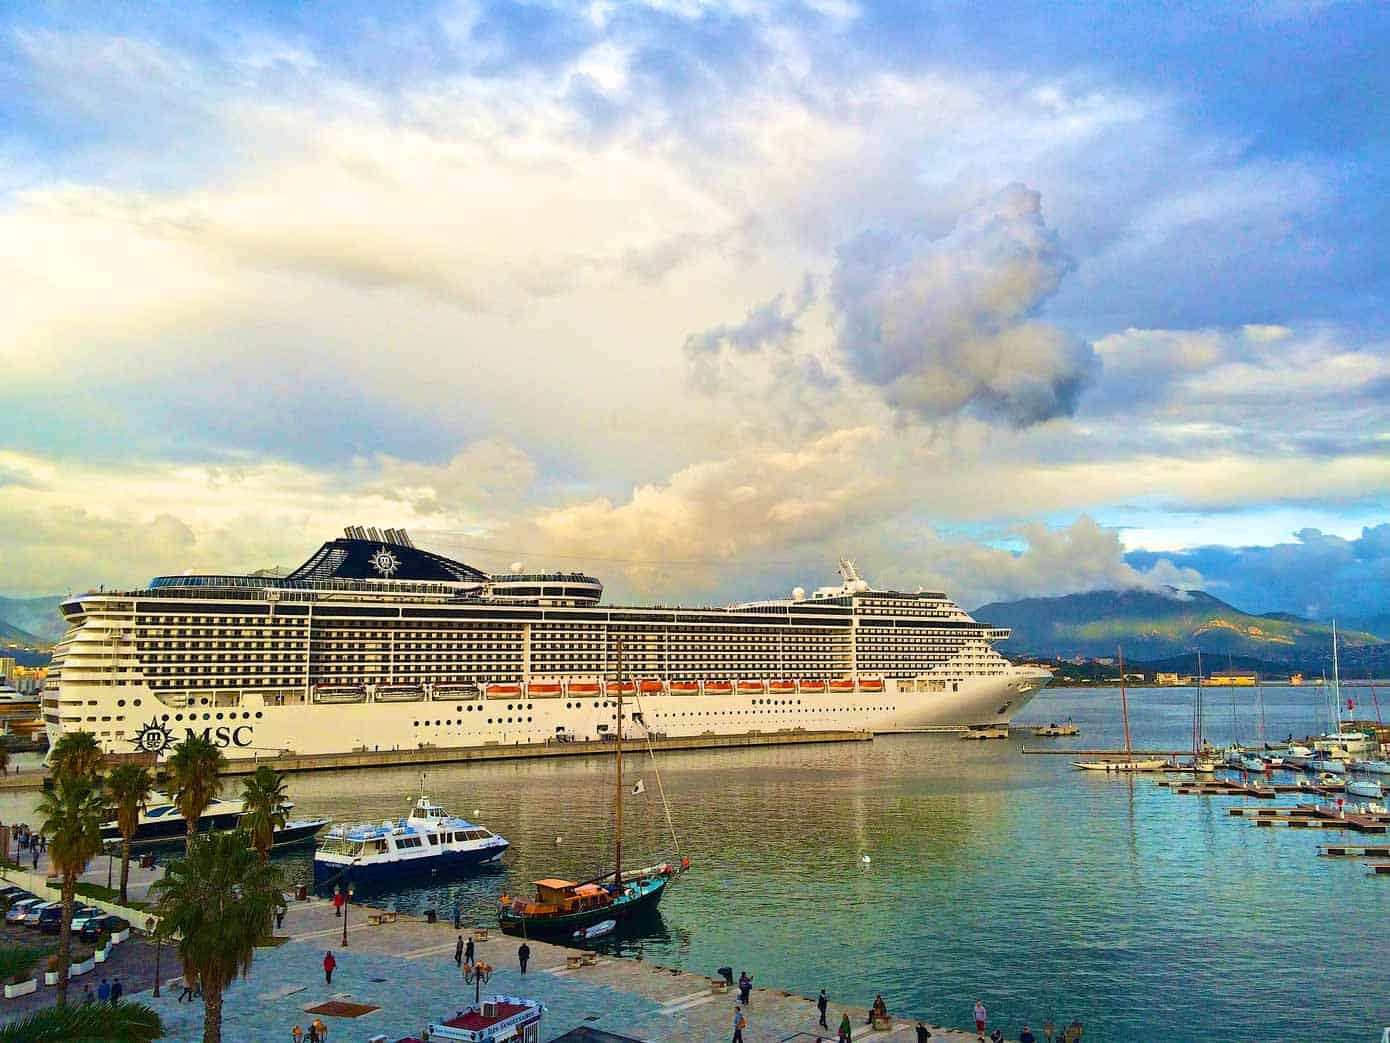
37 885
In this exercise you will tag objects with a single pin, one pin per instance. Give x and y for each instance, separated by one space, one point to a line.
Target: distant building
1232 679
1171 680
7 666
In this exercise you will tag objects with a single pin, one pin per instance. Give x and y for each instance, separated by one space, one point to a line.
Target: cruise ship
376 644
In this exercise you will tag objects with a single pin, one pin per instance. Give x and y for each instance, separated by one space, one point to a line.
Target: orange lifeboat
582 688
719 687
502 691
751 688
781 687
651 687
545 689
685 687
871 684
813 687
628 687
842 686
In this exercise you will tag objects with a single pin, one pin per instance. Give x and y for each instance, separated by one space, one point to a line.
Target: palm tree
217 902
90 1022
72 815
265 797
75 753
195 775
128 787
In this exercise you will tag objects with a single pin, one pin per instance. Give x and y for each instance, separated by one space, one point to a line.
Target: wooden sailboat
1203 763
567 907
1129 764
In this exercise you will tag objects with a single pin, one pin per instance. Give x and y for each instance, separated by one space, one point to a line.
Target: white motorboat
1365 788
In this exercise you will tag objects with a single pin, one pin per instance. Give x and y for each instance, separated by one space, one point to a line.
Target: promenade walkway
406 970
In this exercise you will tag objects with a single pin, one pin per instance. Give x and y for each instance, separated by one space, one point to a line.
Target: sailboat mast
1336 679
1197 723
618 830
1124 701
1260 693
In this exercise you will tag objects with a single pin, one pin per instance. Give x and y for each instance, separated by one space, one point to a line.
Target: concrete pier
405 972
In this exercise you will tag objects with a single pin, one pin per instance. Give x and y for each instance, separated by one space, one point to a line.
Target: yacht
428 840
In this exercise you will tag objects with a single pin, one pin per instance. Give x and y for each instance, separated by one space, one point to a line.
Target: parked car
18 910
31 917
13 891
82 915
93 926
51 920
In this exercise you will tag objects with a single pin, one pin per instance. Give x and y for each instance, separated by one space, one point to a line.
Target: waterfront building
1232 679
374 643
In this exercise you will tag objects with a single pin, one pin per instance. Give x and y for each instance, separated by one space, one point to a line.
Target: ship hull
258 730
643 904
444 863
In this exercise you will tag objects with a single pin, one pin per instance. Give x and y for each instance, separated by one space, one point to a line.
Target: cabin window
405 842
434 838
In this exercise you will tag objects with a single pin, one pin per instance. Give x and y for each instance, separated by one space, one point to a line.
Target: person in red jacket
328 964
339 899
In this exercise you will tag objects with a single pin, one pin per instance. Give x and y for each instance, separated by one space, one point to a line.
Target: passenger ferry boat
427 841
502 1019
374 643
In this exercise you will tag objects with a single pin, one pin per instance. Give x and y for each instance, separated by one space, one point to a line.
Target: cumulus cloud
1317 574
946 324
771 324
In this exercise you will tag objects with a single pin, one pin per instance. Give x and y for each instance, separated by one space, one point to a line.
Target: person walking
997 1036
1048 1028
523 956
846 1031
329 963
279 916
822 1002
923 1033
117 989
1074 1031
339 900
468 951
297 1034
981 1017
1026 1036
458 952
740 1023
186 993
104 991
321 1029
87 996
745 987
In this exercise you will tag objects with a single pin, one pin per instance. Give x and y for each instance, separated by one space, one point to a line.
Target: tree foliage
215 904
195 775
86 1023
72 813
128 787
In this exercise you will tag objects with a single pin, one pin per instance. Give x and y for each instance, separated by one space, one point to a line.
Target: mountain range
1170 626
33 622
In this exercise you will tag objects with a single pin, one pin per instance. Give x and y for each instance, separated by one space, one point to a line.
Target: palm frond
86 1023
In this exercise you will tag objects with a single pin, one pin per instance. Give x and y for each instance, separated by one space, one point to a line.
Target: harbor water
1018 880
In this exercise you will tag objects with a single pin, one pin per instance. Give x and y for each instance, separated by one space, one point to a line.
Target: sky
1008 299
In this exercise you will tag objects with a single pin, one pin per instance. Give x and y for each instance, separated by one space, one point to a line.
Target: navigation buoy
865 859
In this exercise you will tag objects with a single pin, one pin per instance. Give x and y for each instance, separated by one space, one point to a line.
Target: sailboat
1375 766
568 908
1129 764
1203 763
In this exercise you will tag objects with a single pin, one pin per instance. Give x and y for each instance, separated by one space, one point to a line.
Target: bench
588 959
883 1024
718 986
573 963
376 919
480 934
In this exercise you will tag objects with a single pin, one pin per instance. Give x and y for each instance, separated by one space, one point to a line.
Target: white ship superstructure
375 644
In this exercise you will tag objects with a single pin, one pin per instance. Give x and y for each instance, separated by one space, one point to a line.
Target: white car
81 916
32 914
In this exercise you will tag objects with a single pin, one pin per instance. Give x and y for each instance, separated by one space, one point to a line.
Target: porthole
258 715
219 717
164 717
120 702
178 716
417 724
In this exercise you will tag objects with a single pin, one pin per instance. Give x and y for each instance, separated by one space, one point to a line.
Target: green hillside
37 617
1154 625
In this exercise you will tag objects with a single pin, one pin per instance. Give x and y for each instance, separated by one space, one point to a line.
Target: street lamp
477 975
351 890
149 928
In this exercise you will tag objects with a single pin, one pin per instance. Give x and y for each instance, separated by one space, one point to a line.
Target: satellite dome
515 566
798 593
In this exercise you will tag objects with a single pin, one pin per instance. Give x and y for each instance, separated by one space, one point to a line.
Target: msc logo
157 737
